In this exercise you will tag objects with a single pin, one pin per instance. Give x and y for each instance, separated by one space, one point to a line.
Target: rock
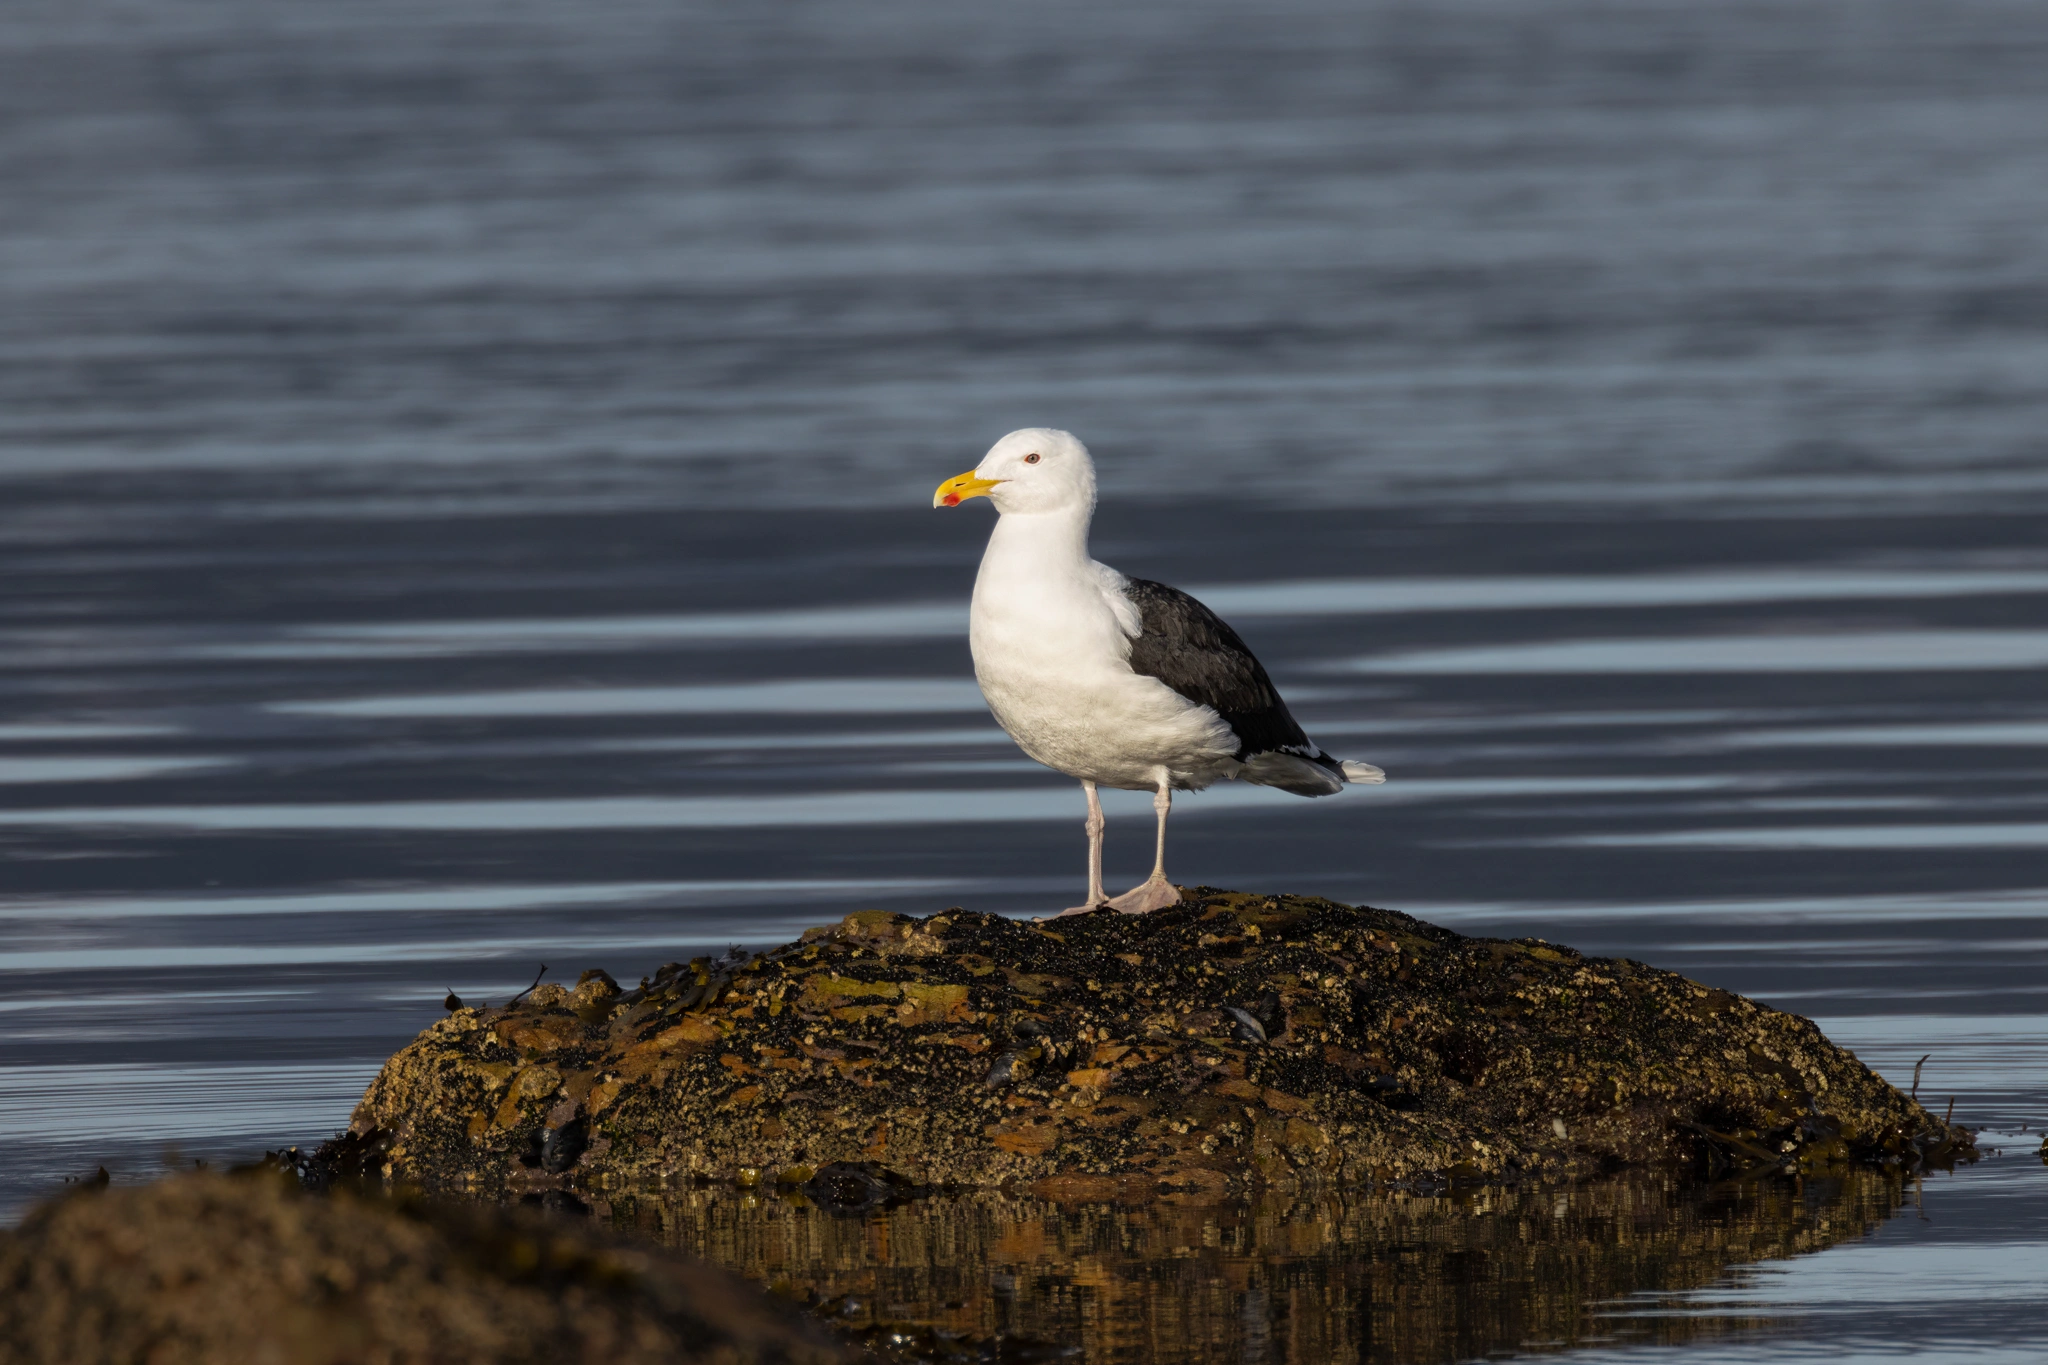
218 1270
1231 1042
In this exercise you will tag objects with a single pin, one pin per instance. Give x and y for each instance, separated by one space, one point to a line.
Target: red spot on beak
951 500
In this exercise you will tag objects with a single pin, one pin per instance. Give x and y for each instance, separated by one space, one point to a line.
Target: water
1381 1277
462 505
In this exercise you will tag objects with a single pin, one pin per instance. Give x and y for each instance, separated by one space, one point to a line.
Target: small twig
1951 1110
1916 1076
529 990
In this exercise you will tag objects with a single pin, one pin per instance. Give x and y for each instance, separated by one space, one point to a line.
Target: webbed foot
1155 893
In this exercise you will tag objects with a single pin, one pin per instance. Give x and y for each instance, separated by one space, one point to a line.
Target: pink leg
1155 892
1095 825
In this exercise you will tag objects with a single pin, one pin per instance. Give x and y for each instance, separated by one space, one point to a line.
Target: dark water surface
462 482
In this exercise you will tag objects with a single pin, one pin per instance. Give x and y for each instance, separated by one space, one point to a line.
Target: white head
1037 469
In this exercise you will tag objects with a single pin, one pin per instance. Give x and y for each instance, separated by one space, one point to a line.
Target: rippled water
462 481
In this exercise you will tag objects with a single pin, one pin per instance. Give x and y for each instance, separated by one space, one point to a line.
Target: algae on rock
1233 1041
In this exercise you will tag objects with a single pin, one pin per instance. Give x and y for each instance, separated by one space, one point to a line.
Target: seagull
1115 681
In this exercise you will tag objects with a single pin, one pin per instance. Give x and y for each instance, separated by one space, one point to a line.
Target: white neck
1037 549
1047 538
1051 633
1037 568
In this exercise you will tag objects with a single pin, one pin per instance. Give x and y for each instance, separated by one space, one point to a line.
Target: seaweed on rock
1232 1042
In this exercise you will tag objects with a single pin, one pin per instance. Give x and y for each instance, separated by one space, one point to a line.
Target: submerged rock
1234 1041
214 1270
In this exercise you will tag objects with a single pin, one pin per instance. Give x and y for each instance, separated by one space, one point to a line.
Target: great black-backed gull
1119 682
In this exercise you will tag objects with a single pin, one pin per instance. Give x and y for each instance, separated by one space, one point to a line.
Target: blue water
463 472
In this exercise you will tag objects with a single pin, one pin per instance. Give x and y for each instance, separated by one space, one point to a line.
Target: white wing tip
1363 772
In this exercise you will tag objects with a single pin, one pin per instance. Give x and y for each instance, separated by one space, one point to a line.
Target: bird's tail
1314 773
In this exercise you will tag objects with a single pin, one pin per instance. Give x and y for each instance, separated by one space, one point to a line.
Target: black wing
1195 652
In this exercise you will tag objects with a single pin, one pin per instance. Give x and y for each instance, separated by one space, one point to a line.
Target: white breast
1051 632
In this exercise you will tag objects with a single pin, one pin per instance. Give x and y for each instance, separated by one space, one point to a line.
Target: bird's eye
1031 458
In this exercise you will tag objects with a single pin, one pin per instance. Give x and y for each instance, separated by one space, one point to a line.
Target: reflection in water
1287 598
2008 834
1339 1277
1789 583
1803 652
1993 734
803 696
181 1103
14 771
492 899
852 808
10 734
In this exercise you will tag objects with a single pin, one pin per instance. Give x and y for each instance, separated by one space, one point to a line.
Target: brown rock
1264 1041
221 1270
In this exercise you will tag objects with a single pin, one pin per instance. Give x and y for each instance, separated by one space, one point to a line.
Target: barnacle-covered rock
1234 1041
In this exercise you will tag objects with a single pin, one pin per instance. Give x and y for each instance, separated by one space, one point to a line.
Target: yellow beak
958 489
